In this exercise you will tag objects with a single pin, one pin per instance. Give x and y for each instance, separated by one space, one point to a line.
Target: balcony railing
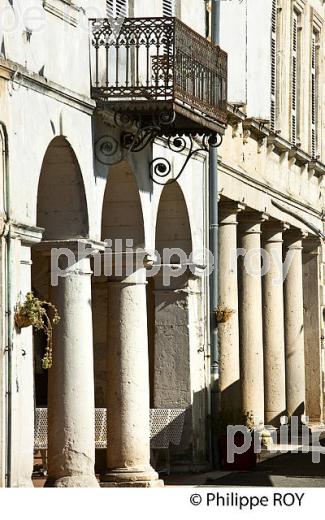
159 65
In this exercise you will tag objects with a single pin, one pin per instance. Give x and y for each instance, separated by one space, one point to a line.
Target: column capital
293 238
139 258
85 246
311 245
228 211
250 221
136 278
273 230
28 235
69 257
128 267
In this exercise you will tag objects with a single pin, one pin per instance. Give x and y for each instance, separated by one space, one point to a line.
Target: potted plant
223 313
35 312
245 461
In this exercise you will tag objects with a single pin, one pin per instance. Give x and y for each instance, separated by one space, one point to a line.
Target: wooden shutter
117 8
168 7
294 78
273 63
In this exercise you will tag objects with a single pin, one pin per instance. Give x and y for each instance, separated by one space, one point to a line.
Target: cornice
20 76
299 5
62 9
316 19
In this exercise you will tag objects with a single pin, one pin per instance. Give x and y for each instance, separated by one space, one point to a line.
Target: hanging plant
223 313
34 312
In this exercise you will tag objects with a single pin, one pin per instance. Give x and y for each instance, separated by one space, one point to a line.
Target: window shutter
273 64
168 7
294 74
314 96
110 8
117 8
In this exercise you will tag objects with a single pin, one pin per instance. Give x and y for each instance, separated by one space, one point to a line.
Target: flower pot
242 461
22 321
223 314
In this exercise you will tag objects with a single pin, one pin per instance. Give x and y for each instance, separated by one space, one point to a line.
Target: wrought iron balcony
157 77
160 68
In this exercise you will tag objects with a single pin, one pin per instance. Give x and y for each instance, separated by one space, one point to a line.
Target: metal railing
166 427
158 59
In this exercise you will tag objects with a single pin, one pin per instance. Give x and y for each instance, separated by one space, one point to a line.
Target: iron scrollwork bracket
133 137
160 167
136 134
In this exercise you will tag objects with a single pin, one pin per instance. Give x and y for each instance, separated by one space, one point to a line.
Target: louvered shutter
168 7
273 63
294 77
314 95
117 8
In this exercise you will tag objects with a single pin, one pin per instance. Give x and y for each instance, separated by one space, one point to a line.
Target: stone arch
173 228
61 202
122 216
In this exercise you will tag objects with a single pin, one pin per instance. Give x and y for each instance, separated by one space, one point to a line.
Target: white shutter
294 78
314 95
273 63
117 8
168 7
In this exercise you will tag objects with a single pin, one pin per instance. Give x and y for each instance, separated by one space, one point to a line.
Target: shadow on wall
61 202
192 454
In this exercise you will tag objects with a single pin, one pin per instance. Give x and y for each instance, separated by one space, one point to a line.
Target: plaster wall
245 29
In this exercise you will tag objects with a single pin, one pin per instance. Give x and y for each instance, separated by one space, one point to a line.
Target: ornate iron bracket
160 168
136 134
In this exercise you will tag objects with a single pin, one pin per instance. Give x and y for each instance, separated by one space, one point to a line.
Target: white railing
166 427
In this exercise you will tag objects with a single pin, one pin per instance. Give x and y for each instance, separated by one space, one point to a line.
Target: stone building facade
271 169
128 342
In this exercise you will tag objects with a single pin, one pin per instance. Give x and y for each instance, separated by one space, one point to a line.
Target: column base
131 477
266 437
73 481
24 483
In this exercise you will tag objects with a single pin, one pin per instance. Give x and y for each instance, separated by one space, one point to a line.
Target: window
117 8
314 93
295 77
274 25
168 7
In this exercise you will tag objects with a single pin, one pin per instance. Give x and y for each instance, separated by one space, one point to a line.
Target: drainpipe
8 311
213 246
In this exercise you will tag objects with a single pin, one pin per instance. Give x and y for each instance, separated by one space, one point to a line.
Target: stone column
228 332
128 449
71 407
273 315
312 329
294 325
250 306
